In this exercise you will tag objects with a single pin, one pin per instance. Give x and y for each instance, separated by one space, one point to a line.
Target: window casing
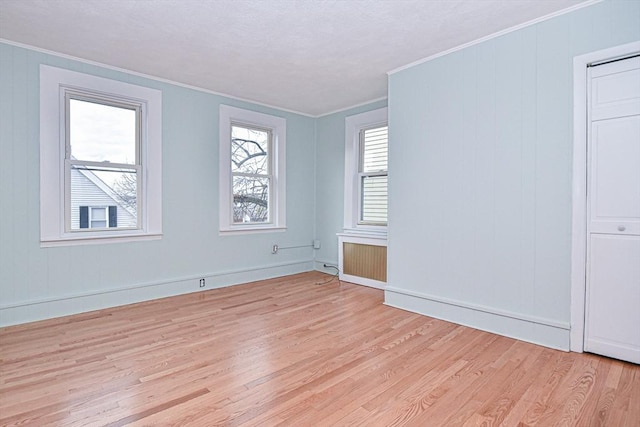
252 171
366 159
100 148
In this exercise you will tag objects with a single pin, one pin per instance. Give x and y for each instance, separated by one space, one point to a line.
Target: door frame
579 185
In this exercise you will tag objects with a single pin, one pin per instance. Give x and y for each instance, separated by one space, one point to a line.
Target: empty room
320 213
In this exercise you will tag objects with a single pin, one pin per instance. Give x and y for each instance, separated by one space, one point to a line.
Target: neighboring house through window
366 160
252 171
94 194
97 217
100 159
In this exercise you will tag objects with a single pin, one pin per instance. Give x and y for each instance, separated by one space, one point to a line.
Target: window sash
268 176
376 132
377 135
70 163
104 100
370 202
269 151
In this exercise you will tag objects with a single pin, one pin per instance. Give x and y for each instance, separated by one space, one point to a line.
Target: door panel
612 310
615 176
615 89
613 305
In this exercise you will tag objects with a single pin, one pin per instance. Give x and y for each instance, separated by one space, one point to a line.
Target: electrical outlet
202 283
274 249
316 244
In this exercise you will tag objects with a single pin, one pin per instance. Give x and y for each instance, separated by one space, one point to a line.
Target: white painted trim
534 329
483 308
363 238
46 308
579 184
353 125
92 239
495 35
255 229
278 126
363 281
361 104
53 80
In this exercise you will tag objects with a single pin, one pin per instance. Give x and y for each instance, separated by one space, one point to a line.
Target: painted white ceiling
309 56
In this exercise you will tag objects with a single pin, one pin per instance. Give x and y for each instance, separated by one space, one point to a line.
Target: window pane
250 199
104 187
375 149
102 133
374 199
99 214
249 150
98 224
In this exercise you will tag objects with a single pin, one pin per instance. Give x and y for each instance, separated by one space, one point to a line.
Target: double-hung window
100 159
372 176
252 171
366 161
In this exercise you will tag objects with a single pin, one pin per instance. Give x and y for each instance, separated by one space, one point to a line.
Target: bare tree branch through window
251 171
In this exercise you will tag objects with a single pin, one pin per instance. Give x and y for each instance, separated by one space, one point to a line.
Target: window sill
97 240
250 230
367 233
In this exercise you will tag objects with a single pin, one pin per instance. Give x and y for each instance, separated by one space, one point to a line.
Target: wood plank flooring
289 352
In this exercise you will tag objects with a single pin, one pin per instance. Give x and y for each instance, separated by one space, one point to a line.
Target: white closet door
612 323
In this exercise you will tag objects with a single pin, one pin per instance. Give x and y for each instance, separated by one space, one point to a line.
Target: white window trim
52 157
353 125
278 125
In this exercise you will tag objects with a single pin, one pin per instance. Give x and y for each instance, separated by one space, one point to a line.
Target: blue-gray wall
480 176
37 283
329 154
480 180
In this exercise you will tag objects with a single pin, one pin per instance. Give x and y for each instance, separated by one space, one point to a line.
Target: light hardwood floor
289 352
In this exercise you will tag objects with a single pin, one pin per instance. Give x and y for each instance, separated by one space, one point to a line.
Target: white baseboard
64 305
363 281
536 330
